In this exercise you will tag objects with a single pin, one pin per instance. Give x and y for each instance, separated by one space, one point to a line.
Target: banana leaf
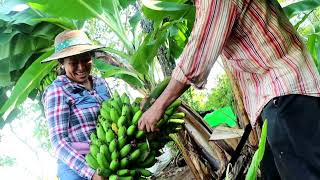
258 155
301 6
159 10
27 82
107 11
108 70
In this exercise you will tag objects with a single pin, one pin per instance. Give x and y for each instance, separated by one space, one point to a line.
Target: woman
72 103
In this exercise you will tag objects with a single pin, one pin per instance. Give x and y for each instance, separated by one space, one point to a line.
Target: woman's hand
97 177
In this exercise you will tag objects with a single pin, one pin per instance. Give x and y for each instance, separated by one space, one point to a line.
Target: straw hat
69 43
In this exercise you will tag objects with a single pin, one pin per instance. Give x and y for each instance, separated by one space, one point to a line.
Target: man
277 76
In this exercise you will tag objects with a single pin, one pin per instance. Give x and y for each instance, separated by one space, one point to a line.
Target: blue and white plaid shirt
71 112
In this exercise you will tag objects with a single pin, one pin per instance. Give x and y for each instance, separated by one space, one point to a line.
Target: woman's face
78 67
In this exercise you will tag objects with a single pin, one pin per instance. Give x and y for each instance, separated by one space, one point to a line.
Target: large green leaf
73 9
159 10
108 70
125 3
64 23
83 10
15 54
143 58
301 6
27 82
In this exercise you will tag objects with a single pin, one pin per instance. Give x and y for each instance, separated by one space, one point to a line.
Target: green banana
125 178
126 111
136 117
114 165
125 99
122 120
104 149
176 121
175 104
97 142
92 162
161 123
105 113
143 146
135 154
169 111
124 162
131 130
100 133
105 125
102 161
144 172
94 149
110 135
113 145
122 131
115 155
150 161
178 115
122 141
133 172
116 106
156 92
113 177
125 150
93 137
106 104
123 172
117 98
140 134
114 115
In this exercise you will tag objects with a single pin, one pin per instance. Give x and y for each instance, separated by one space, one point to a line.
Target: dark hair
61 70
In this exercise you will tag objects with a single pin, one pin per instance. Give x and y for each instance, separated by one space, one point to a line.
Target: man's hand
150 118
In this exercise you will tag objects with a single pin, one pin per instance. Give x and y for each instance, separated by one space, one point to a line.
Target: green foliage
221 95
21 37
301 6
258 155
7 161
28 81
41 133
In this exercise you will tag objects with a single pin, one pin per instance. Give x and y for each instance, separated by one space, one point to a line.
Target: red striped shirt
261 48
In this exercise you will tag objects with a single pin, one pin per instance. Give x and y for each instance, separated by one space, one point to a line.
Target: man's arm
149 119
213 25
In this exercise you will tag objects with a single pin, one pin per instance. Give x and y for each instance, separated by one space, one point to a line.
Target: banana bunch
47 80
118 149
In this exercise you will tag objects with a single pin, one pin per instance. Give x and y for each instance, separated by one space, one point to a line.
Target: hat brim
71 51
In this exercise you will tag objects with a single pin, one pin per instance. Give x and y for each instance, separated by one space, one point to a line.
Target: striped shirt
71 112
261 48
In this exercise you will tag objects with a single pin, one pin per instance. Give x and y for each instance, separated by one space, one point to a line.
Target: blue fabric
65 173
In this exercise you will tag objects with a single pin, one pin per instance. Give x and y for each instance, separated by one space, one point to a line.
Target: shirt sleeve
57 113
213 24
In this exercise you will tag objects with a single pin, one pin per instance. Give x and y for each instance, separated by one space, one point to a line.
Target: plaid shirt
260 47
71 111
